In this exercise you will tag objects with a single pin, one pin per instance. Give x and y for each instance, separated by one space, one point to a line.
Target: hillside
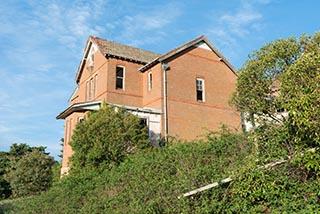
152 181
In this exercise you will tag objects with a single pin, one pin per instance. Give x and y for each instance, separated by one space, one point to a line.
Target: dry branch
227 180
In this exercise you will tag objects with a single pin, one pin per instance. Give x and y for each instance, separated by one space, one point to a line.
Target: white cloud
146 26
70 23
241 22
230 28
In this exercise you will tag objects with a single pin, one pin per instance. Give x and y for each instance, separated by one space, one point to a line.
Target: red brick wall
154 97
100 69
132 93
187 117
70 124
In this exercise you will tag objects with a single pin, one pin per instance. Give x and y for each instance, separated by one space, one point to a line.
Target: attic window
120 78
149 81
91 59
200 89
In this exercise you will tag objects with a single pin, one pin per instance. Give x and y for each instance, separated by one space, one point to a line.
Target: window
200 89
80 119
87 90
70 130
91 59
120 78
91 88
66 137
149 81
95 85
143 122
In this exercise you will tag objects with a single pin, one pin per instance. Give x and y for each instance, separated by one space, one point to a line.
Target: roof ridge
124 45
185 46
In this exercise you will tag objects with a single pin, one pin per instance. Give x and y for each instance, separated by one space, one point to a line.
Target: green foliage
258 79
32 174
272 143
273 191
105 138
283 77
150 181
300 95
5 190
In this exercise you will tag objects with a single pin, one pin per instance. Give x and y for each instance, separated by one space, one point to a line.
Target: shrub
105 138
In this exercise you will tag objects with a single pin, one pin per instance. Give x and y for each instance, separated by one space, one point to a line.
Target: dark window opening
143 122
119 78
199 96
200 89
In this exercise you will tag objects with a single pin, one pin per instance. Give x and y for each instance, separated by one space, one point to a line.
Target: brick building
181 93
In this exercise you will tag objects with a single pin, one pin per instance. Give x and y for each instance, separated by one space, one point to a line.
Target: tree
259 78
106 137
31 174
283 77
301 99
5 190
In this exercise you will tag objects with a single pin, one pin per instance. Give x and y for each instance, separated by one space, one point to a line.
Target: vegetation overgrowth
153 181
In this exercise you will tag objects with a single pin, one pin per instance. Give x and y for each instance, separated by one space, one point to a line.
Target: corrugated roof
124 51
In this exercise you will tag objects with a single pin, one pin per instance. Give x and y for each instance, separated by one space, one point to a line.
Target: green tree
106 137
278 90
5 190
31 174
301 99
259 79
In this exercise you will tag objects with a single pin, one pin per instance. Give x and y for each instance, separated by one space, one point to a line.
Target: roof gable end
201 42
115 50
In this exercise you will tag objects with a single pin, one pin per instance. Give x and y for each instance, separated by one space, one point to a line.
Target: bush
31 174
105 138
150 181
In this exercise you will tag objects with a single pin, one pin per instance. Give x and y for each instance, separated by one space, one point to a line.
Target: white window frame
150 81
200 88
123 77
80 119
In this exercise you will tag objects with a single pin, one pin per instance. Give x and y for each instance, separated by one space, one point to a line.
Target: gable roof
116 50
185 46
124 51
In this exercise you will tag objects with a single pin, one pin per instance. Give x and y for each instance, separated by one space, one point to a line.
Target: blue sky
42 42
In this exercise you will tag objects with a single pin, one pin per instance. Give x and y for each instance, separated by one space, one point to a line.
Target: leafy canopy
258 82
106 137
32 174
278 90
25 170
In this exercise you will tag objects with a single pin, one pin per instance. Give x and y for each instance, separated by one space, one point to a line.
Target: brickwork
187 118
